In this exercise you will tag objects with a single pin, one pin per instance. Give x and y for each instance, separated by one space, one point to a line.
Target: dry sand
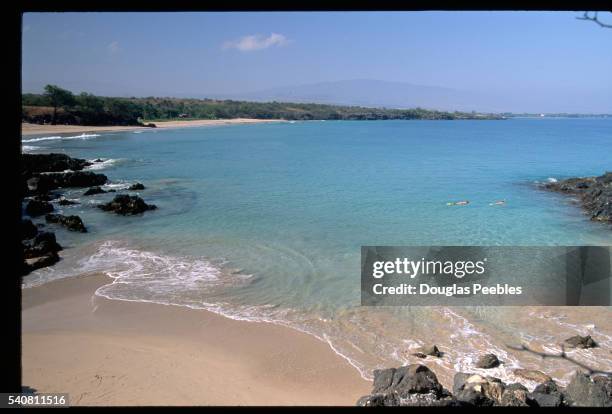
105 352
34 129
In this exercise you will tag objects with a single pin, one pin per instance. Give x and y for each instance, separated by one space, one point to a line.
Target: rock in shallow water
487 361
430 350
93 191
595 194
137 186
417 385
127 205
66 202
73 223
532 375
54 162
580 342
36 208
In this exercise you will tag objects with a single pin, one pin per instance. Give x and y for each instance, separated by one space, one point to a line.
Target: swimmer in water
459 203
498 203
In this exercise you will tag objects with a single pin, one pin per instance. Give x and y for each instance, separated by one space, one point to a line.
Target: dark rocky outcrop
580 342
412 385
38 262
37 163
514 395
73 223
36 208
584 391
42 183
487 361
547 394
127 205
34 165
137 186
39 250
44 242
28 229
417 385
595 194
93 191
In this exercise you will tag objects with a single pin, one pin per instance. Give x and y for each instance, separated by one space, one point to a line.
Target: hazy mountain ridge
369 93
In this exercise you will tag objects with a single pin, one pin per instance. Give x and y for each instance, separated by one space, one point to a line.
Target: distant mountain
370 93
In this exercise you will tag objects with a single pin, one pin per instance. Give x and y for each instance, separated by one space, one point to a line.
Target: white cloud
256 42
113 47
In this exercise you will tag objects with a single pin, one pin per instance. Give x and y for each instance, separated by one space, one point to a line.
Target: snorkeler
459 203
498 203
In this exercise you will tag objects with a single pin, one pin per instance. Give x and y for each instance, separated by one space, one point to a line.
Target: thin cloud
256 42
113 47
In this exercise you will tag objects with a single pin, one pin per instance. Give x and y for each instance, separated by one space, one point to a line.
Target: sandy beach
34 129
105 352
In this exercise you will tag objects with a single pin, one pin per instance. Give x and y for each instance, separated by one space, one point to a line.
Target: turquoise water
265 221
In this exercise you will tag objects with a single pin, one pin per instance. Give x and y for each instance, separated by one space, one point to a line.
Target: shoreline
35 129
100 351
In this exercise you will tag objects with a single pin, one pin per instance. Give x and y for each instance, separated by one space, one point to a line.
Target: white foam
117 186
159 274
100 165
29 148
551 180
55 138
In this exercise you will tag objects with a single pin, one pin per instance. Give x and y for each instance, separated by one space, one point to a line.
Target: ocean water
265 223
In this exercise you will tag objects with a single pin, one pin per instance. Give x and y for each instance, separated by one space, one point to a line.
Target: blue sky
517 55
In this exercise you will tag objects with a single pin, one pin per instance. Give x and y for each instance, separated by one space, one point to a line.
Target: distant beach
34 129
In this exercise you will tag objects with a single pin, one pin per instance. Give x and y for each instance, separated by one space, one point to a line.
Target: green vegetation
87 109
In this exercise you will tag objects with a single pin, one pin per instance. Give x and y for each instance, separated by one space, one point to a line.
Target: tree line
58 105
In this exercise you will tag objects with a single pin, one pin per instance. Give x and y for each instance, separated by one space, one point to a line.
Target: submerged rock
580 342
532 375
66 202
127 205
94 190
137 186
430 350
73 223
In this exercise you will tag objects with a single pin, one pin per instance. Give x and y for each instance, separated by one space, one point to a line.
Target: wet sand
106 352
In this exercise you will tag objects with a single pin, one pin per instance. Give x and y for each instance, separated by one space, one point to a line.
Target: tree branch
594 18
